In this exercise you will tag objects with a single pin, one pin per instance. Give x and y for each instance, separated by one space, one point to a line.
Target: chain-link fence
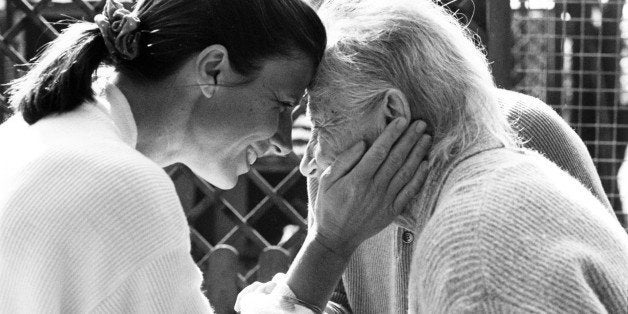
571 54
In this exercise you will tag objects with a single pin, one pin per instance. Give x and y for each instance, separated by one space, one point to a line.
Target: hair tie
118 27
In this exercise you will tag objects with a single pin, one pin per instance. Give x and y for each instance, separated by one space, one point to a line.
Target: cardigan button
407 237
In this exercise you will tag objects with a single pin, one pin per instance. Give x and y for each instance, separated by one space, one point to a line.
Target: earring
209 89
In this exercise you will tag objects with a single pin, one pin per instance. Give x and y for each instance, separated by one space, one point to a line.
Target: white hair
421 49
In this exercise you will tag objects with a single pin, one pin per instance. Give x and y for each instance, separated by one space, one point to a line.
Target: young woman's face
240 123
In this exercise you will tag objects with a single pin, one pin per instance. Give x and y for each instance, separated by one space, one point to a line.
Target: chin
220 179
225 184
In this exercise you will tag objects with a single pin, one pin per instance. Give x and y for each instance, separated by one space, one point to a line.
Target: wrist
332 248
315 272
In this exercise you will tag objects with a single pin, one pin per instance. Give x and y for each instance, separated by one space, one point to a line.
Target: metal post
500 41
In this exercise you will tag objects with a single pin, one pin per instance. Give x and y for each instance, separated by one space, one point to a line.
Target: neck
159 118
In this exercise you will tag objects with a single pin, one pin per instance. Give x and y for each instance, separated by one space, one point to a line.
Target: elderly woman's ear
395 105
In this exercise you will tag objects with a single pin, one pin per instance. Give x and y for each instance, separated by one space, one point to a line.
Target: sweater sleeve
543 130
514 243
168 284
96 226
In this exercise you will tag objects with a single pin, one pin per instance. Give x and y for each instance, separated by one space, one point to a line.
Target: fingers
343 164
411 189
409 168
250 288
279 277
256 288
376 155
401 160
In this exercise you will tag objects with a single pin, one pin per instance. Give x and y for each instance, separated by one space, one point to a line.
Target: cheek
372 129
260 124
312 191
332 145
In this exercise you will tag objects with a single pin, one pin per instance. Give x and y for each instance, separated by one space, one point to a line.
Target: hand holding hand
273 297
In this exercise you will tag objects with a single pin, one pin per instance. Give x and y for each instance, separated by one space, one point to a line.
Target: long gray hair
420 49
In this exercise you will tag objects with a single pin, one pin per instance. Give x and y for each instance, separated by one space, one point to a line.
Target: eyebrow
324 121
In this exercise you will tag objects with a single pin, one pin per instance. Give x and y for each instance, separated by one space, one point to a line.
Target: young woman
88 220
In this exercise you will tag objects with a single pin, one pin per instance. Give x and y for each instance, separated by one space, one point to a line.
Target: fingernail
401 123
420 127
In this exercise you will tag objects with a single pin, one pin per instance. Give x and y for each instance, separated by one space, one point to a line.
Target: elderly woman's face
334 130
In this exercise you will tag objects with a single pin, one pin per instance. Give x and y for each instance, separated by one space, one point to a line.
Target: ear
396 105
210 64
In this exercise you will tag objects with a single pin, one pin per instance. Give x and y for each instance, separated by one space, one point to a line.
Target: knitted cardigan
87 223
376 279
510 232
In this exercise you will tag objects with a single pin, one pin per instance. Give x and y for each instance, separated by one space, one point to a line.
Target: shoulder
98 167
514 229
536 122
532 117
103 183
517 104
522 175
517 197
520 193
541 129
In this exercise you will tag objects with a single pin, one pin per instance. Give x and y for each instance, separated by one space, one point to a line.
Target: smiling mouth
251 155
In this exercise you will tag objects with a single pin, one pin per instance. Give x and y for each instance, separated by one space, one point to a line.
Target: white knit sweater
87 223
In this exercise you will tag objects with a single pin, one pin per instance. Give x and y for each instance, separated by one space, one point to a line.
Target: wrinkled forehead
326 108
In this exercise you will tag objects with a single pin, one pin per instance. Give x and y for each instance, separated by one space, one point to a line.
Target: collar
422 207
111 100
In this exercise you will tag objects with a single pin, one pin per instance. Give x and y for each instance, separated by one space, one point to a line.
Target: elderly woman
498 228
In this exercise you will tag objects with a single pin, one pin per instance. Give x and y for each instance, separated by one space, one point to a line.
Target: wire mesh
572 55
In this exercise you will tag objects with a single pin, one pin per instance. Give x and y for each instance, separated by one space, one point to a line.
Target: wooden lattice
226 271
212 199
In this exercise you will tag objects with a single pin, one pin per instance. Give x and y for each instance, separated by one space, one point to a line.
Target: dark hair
5 111
171 31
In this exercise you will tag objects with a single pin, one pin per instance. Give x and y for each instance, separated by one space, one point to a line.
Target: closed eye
285 105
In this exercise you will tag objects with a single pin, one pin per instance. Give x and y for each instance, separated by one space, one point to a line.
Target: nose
308 166
281 142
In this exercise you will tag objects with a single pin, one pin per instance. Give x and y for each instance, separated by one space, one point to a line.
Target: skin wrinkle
338 137
333 134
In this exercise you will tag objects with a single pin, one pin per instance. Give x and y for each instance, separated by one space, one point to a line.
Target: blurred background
569 53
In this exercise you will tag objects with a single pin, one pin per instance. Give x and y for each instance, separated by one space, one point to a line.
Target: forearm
315 272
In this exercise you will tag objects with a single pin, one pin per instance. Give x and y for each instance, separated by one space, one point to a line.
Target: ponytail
60 78
154 40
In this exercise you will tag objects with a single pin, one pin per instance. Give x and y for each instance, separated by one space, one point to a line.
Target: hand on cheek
362 193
